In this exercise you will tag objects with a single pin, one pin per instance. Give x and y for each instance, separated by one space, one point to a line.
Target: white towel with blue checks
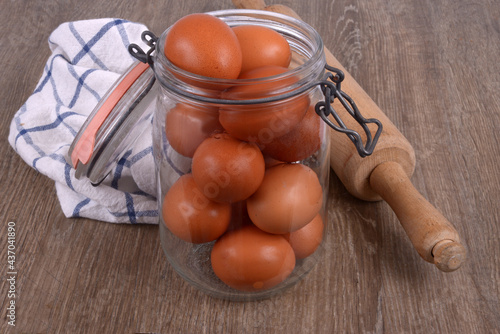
87 58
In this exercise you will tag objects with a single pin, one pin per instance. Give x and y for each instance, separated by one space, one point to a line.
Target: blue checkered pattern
87 58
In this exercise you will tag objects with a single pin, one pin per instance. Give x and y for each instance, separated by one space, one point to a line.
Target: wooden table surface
432 66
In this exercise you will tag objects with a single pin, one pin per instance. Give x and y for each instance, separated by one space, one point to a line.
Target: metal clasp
150 39
331 87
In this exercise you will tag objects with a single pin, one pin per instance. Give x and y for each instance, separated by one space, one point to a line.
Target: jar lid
119 118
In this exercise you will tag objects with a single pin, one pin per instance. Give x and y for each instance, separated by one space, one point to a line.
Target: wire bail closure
331 91
330 87
150 39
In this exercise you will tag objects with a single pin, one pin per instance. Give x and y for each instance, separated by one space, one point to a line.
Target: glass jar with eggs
240 144
242 158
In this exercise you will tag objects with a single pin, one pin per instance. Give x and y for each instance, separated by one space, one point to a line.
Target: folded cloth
87 58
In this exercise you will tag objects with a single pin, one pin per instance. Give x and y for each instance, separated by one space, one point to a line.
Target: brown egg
262 46
301 142
306 240
226 169
187 126
265 122
249 259
289 197
191 216
205 45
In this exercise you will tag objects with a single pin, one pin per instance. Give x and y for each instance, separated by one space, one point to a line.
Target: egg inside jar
242 184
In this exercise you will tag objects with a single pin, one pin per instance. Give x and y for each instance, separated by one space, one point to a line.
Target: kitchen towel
87 58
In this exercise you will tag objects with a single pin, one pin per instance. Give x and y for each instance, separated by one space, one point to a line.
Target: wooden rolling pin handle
432 235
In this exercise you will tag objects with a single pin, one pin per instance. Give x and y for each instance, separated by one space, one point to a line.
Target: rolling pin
386 173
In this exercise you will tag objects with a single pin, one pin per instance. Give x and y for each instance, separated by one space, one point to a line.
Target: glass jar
238 175
242 165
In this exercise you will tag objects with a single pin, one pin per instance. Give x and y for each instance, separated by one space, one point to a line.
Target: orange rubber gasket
84 148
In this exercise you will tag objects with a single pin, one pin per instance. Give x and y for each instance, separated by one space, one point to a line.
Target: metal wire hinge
146 57
331 87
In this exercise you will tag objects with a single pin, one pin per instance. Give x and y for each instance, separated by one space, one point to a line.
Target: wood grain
432 66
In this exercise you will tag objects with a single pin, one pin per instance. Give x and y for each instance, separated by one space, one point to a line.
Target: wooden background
432 66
